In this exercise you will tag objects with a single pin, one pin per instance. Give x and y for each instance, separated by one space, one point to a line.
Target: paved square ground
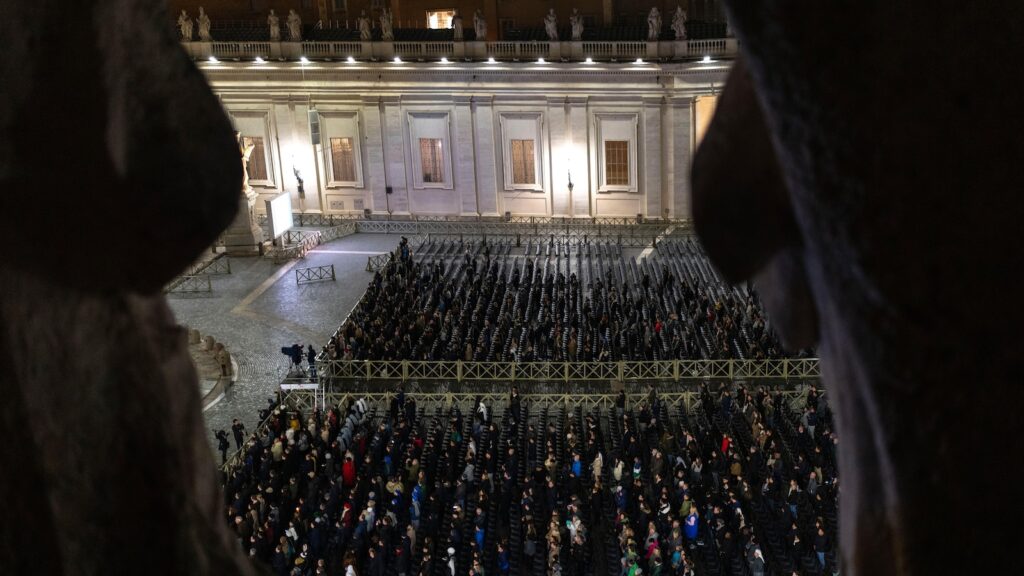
258 309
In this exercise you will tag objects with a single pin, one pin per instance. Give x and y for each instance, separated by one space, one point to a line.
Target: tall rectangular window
343 161
431 158
257 167
523 162
440 19
616 162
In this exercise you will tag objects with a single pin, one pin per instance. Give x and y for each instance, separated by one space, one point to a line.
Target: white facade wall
470 113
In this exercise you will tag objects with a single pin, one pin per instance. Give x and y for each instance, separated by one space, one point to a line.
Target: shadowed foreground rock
864 165
132 169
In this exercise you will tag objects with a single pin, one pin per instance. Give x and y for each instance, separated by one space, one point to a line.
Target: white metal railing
240 49
408 48
717 47
615 49
513 50
438 48
332 49
474 50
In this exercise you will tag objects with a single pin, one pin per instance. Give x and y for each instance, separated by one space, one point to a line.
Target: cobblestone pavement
258 309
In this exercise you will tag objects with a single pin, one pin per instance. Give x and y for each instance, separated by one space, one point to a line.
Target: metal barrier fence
307 400
338 231
189 284
618 230
217 265
296 243
623 371
378 261
314 274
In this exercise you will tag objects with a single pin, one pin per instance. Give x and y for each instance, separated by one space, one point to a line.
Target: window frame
522 126
256 123
617 126
430 124
341 124
428 12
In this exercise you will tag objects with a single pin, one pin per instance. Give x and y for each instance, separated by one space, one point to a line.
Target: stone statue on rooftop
274 23
679 23
204 26
185 26
387 31
294 26
364 27
457 26
577 25
551 25
480 25
653 24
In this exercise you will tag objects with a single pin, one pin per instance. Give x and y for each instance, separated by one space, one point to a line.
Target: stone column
580 149
558 155
650 164
486 167
679 153
375 178
394 155
464 156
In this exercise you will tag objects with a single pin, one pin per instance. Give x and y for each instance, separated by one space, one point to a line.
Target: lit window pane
431 158
523 162
440 19
616 162
343 159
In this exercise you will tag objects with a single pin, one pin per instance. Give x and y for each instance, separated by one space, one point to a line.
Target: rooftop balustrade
503 51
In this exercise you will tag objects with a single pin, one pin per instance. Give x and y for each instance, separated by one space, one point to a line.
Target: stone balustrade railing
477 51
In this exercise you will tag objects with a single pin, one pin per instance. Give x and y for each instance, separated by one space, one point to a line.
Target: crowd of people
744 482
551 304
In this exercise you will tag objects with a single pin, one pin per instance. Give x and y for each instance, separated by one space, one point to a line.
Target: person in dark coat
238 429
223 444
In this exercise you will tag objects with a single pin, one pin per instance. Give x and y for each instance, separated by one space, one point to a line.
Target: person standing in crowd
238 429
223 444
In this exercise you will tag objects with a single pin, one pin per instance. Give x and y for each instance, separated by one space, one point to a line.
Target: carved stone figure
653 24
551 25
387 32
480 25
457 26
61 428
679 23
577 25
185 26
243 235
245 149
364 27
204 26
294 26
274 23
858 259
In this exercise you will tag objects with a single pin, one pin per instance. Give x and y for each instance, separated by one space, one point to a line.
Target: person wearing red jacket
348 471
